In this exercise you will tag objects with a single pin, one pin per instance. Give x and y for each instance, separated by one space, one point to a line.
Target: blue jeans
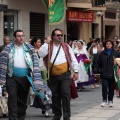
107 89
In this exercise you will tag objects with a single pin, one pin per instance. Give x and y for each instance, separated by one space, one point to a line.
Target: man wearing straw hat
62 59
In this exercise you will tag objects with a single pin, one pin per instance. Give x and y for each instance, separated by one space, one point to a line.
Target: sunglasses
58 35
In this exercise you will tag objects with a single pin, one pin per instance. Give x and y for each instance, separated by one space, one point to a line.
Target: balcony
112 0
87 4
79 3
112 4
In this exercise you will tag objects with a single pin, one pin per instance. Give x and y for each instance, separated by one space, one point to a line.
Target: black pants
17 88
107 89
60 87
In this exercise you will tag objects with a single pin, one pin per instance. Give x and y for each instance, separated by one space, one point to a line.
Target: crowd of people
47 70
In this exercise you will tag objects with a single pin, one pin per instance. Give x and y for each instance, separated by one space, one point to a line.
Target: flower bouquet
87 63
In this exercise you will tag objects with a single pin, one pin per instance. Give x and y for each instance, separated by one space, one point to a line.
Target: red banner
78 16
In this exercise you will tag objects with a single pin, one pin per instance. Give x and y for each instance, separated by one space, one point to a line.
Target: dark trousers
60 87
107 89
17 88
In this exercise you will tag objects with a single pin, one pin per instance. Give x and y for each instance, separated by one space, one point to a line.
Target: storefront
83 25
79 24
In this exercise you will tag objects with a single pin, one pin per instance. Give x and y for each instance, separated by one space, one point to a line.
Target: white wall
24 23
1 28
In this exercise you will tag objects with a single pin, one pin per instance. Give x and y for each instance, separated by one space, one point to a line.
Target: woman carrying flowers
85 74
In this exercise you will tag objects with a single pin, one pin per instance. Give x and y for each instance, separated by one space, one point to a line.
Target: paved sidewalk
100 113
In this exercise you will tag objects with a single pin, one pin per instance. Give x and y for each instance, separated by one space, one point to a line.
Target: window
37 25
10 23
110 15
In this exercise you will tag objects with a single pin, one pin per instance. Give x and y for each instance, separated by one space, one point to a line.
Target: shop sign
79 16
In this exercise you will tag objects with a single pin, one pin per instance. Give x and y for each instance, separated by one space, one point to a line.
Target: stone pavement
85 107
100 113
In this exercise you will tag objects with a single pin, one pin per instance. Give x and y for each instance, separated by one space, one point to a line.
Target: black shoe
43 111
31 106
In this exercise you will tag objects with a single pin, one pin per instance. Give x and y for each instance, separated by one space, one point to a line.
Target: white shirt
43 51
60 58
19 59
95 50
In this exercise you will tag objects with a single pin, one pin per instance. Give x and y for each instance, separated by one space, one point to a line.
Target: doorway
72 31
95 30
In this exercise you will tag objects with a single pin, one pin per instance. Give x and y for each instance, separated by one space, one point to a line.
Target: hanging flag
56 10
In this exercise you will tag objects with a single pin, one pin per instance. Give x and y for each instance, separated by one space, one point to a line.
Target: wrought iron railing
112 0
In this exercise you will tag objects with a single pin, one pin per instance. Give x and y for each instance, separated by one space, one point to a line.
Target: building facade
28 15
111 18
32 17
85 29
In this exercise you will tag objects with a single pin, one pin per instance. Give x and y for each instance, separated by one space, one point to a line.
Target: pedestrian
61 59
89 43
74 44
100 46
40 102
6 42
115 38
93 51
17 61
45 40
29 40
70 43
36 43
85 76
104 66
115 43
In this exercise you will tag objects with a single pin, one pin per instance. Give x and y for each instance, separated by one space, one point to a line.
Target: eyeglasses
58 35
20 36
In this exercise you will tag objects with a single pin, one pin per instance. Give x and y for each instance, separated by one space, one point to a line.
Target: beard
58 40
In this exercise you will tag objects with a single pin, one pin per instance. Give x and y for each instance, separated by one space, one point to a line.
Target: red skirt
73 90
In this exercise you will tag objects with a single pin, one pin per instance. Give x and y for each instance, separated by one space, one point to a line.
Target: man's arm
74 64
43 51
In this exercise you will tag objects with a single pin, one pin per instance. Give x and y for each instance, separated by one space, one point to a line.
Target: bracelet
76 72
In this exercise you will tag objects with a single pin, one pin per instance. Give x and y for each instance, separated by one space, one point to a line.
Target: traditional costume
19 66
60 81
85 72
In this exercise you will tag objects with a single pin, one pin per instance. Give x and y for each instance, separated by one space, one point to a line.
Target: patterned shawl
4 60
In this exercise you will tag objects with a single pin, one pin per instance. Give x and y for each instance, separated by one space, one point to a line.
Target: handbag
73 90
